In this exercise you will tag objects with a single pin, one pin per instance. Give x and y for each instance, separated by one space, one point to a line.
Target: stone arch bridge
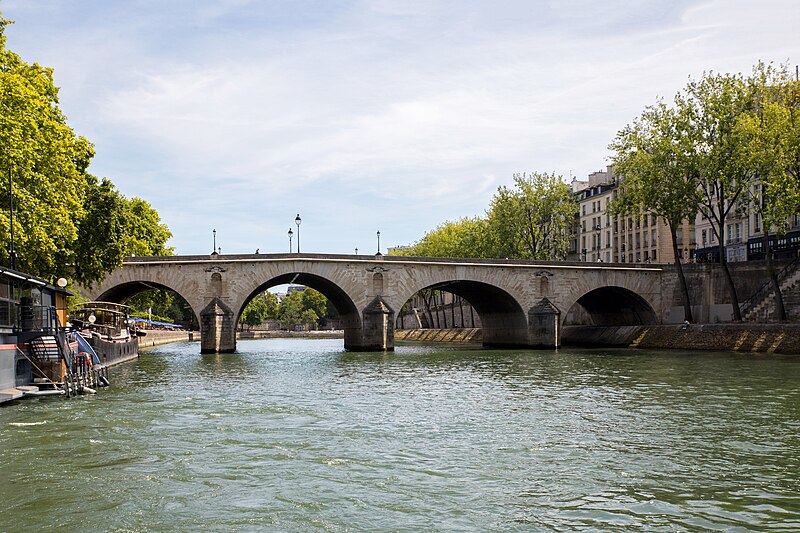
520 303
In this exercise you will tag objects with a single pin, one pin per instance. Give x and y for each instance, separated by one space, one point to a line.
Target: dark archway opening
467 304
155 303
343 315
607 316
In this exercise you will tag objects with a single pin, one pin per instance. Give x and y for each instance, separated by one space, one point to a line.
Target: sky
367 116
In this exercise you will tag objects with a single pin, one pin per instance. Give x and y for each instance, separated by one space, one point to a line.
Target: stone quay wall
752 338
157 337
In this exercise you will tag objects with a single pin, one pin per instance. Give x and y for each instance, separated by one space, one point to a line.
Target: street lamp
214 249
297 221
12 254
291 233
379 243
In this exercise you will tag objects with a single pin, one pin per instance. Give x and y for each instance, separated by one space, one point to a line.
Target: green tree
255 312
66 222
770 135
529 221
532 220
650 159
100 245
164 303
314 301
291 310
708 111
466 237
273 306
302 307
45 161
145 234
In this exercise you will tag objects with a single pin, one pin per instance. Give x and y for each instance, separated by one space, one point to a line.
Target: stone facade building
600 237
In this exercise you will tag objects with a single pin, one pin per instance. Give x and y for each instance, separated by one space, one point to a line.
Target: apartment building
743 235
599 237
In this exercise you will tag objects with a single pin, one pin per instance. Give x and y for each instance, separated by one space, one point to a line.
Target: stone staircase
761 307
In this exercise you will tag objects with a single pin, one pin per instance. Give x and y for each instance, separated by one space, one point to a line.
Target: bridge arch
122 292
347 309
503 319
610 306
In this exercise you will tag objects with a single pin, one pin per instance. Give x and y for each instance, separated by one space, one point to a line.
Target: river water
299 435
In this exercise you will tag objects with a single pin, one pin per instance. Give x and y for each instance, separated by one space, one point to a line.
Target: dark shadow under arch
123 292
503 321
610 306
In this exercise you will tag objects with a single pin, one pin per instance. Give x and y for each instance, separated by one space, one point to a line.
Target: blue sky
236 115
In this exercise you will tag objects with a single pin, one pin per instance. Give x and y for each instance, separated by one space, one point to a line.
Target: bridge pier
217 328
543 325
377 333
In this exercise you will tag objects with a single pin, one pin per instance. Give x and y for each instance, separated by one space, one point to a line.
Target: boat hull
113 352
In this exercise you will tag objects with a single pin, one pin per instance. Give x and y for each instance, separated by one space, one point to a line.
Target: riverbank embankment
753 338
157 337
458 335
281 334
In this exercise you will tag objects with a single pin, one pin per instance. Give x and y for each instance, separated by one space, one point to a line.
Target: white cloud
400 114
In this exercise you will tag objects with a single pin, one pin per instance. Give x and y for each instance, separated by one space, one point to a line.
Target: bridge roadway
520 303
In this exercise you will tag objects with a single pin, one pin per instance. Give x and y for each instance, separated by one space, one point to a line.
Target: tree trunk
737 313
687 305
780 310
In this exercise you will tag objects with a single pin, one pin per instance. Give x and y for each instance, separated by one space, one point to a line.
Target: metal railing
763 292
37 318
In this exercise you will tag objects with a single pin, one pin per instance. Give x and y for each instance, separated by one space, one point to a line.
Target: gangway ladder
47 351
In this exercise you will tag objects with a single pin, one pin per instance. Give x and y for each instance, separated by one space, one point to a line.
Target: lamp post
291 233
379 243
297 221
12 253
214 249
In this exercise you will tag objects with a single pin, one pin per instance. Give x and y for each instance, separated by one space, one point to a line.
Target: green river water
299 435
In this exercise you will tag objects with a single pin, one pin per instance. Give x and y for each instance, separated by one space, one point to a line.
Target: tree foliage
163 303
728 142
66 221
531 220
650 157
46 162
466 237
302 308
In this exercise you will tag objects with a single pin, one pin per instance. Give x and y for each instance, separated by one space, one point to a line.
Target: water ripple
295 435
